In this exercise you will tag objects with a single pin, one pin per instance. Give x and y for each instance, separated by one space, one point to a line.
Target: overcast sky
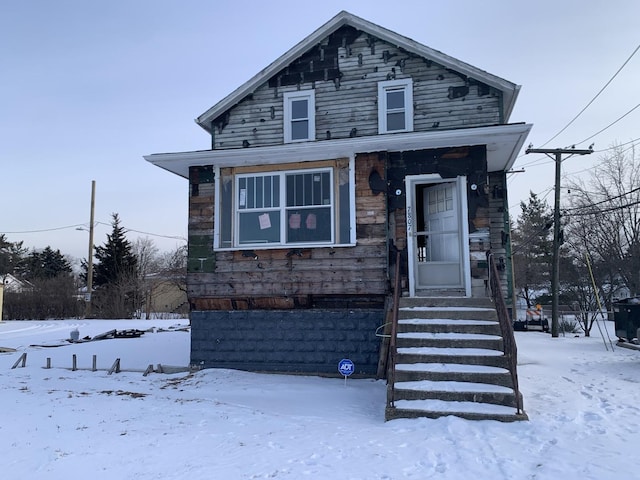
89 87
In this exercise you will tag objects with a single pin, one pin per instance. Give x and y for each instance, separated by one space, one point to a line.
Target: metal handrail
393 350
506 328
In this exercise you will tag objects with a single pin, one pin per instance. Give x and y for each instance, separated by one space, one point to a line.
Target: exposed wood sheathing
344 70
287 277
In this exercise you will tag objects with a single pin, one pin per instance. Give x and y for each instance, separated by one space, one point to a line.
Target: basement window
299 116
395 106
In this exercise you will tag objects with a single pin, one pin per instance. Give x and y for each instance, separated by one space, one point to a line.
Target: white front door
437 234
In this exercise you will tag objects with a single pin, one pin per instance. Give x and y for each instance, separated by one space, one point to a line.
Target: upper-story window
299 116
395 106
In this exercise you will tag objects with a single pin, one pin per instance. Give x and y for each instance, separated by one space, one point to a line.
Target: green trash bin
626 314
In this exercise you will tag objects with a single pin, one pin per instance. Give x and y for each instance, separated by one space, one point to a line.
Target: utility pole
555 271
87 312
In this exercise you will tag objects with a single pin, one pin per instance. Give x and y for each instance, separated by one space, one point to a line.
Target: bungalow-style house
354 145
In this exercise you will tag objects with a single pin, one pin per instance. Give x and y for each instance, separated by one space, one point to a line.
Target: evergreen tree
116 282
46 264
11 253
533 247
51 290
115 260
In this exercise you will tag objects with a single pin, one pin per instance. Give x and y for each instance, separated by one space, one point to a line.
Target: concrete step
406 372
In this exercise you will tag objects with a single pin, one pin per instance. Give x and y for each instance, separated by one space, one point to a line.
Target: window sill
391 132
284 247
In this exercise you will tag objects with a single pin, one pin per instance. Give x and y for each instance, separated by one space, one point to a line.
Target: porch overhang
503 142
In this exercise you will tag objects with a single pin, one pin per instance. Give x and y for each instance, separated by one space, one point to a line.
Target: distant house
165 296
355 144
15 285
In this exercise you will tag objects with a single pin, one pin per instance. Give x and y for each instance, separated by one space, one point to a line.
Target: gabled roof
13 284
509 90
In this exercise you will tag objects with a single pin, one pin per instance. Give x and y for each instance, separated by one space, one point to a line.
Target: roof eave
503 144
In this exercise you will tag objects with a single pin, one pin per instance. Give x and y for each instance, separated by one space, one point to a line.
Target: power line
591 205
593 99
45 229
546 193
606 150
53 229
520 245
618 145
537 162
174 237
534 162
599 211
608 126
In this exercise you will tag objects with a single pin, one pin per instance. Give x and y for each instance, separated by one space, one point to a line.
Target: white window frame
404 85
282 209
348 241
290 97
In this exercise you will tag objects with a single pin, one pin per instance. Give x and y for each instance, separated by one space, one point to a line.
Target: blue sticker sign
346 367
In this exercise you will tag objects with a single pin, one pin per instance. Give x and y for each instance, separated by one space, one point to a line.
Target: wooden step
445 302
452 313
449 339
445 325
454 391
469 356
450 361
406 372
441 408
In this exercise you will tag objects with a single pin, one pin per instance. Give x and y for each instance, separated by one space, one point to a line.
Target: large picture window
289 207
395 106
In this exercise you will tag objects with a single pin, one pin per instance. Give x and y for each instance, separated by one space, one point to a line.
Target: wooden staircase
450 361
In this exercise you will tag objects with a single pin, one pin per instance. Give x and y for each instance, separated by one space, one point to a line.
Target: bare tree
577 290
173 278
146 251
162 279
603 222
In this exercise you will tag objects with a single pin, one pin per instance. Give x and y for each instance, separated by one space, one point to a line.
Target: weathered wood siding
449 163
345 70
200 224
289 277
498 214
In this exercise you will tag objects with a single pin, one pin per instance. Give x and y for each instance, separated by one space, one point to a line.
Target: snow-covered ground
582 400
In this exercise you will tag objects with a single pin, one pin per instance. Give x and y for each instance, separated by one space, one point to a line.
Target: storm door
437 235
